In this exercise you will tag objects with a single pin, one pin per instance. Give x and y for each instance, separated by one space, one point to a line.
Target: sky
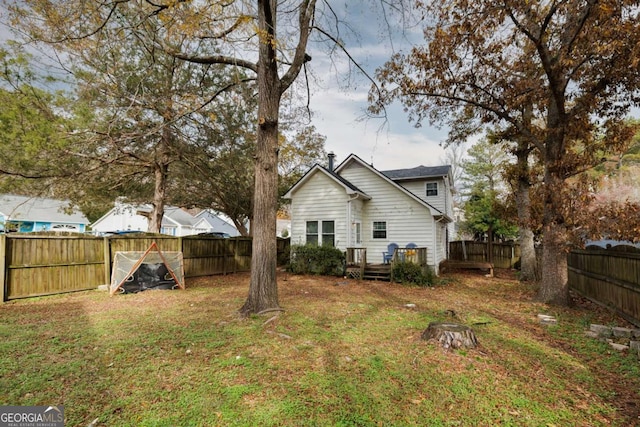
339 110
339 107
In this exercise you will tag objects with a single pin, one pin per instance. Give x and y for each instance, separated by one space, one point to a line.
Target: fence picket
36 264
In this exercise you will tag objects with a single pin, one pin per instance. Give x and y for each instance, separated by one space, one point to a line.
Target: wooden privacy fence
35 265
609 277
505 255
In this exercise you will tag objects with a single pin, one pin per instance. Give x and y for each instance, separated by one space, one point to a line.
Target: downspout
349 222
435 244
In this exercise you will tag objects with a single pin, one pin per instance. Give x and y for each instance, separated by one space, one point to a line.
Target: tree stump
450 335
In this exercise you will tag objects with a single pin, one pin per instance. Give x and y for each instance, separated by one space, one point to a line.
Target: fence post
3 267
235 255
107 260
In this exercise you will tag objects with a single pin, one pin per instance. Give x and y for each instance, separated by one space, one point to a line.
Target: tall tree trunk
160 172
241 227
554 288
159 196
528 261
490 243
263 289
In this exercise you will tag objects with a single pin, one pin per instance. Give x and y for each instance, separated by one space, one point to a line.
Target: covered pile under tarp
136 271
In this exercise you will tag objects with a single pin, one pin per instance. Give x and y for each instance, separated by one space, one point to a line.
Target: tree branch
307 11
215 59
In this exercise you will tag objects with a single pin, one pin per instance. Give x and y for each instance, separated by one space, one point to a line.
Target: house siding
320 199
366 196
419 188
27 214
121 218
443 202
124 217
407 220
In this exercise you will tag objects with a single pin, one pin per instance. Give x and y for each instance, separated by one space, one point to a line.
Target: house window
64 227
312 233
379 229
432 189
328 233
171 231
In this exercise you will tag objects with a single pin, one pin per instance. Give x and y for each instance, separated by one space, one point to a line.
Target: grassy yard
344 353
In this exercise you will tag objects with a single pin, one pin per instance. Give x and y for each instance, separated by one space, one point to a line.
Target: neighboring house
356 205
25 214
210 222
283 227
176 221
608 243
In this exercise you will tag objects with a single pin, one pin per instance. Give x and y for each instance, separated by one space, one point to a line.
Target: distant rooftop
21 208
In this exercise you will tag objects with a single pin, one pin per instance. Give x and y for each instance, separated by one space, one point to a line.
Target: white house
208 221
355 205
25 214
176 221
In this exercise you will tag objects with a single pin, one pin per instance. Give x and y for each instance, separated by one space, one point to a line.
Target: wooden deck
370 272
359 268
466 265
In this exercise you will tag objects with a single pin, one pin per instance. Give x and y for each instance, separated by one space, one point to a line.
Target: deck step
377 272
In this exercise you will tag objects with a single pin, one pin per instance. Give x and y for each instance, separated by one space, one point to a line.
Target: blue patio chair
388 255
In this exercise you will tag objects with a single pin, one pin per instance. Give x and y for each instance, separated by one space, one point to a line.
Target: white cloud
339 116
339 96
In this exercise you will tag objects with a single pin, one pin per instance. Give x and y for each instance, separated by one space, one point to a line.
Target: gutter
435 243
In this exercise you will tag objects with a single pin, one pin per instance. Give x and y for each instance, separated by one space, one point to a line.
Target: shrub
322 260
409 273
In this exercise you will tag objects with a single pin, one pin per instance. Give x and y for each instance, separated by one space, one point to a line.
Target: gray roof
217 223
21 208
417 172
353 157
178 215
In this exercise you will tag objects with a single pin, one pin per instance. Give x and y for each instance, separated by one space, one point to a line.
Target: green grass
347 355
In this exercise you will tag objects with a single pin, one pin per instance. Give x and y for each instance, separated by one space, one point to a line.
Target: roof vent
331 157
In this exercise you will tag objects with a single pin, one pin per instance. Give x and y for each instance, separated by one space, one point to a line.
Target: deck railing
356 261
414 255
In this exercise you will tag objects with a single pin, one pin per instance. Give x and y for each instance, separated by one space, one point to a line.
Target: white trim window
171 231
358 233
379 229
432 189
329 233
65 227
324 230
312 233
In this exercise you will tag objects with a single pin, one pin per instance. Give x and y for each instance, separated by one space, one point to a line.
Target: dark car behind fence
44 264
